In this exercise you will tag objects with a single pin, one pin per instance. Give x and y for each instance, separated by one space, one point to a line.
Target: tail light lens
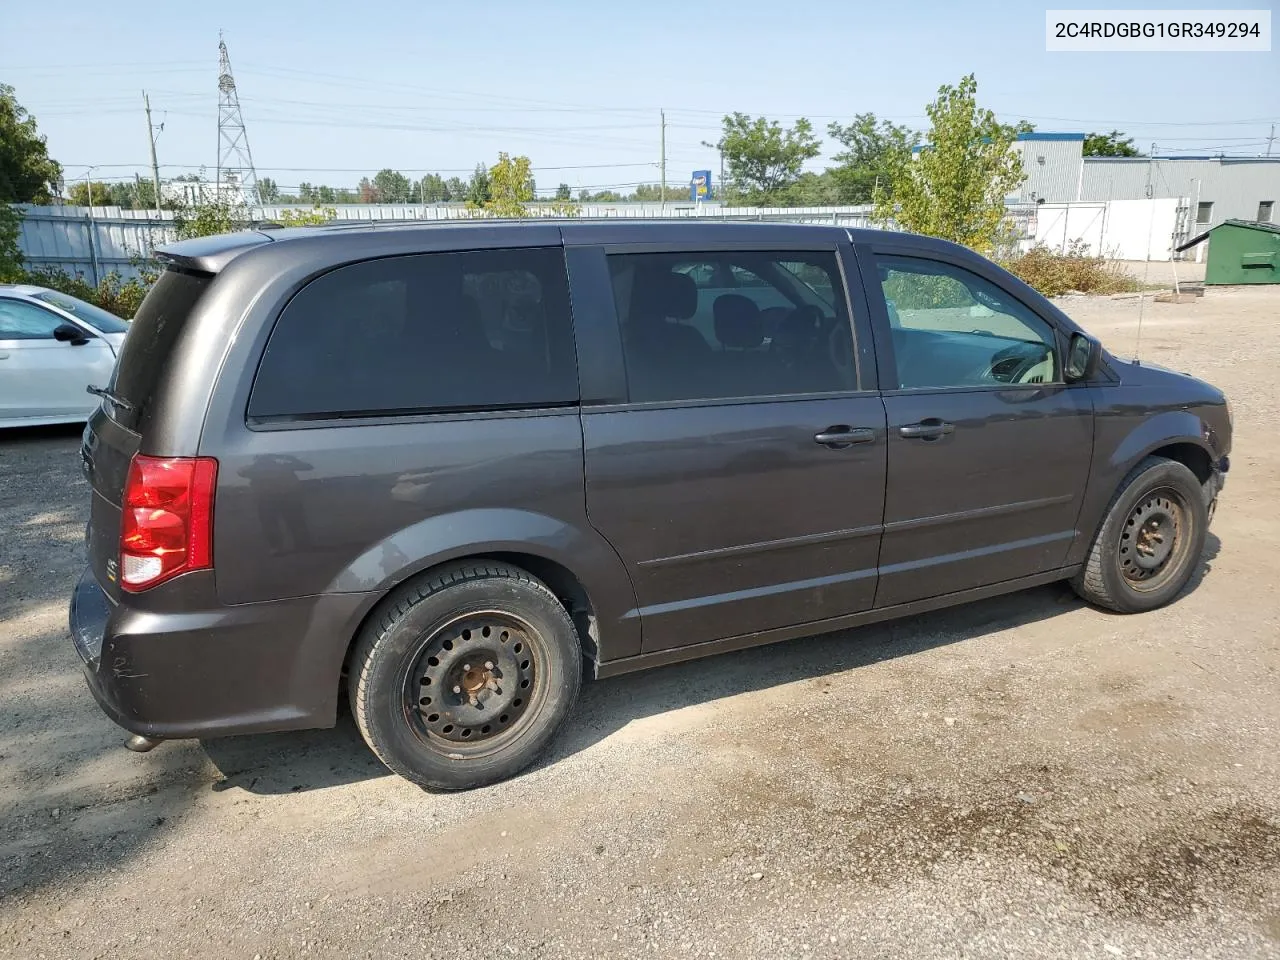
166 527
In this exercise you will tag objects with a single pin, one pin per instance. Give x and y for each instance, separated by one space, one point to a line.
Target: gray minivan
444 466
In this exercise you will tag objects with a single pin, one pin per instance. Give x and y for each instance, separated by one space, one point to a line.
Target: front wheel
1150 540
466 675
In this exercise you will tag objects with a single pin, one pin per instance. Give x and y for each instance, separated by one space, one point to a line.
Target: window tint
433 332
152 336
732 324
951 328
25 321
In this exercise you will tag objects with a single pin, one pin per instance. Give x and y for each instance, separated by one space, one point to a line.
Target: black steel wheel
1151 547
465 675
1149 541
474 683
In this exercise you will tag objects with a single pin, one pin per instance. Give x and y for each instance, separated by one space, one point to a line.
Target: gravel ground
1025 776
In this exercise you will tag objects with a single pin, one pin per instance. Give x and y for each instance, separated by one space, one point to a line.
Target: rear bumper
217 671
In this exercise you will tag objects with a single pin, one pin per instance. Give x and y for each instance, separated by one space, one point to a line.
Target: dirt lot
1025 776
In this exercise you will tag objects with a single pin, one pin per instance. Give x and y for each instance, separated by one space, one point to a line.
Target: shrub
1054 274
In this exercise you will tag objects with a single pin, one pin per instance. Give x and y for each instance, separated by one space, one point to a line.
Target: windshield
96 317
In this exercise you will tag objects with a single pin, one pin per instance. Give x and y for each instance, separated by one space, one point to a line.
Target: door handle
841 436
929 429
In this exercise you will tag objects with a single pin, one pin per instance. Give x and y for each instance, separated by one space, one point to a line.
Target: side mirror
1083 355
70 333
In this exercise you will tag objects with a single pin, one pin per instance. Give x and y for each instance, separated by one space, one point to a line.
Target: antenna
235 162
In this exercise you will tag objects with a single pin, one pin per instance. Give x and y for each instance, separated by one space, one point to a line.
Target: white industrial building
1214 188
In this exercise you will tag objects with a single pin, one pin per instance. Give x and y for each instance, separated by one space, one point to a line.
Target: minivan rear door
114 431
735 458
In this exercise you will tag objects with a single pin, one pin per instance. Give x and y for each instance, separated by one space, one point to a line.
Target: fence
1117 229
92 242
95 242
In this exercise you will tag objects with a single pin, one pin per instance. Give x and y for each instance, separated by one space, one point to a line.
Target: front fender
1161 430
466 533
1124 433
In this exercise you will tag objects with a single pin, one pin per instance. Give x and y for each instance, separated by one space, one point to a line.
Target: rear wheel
1150 541
466 676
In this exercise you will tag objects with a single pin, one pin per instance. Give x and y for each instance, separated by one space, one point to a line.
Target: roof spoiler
210 254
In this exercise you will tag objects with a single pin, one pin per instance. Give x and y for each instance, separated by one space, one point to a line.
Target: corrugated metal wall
1057 179
109 240
1235 187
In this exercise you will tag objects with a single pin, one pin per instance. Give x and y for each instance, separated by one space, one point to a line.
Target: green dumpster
1242 251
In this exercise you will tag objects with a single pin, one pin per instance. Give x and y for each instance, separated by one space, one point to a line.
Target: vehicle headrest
738 322
664 294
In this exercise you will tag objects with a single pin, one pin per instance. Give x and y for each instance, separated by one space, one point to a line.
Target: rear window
481 330
152 336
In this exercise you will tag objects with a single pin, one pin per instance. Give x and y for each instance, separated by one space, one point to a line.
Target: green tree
315 217
871 148
433 189
79 194
955 186
392 186
208 219
137 194
457 189
1113 144
763 157
367 191
604 196
511 187
563 192
477 192
11 266
268 190
27 175
307 193
652 192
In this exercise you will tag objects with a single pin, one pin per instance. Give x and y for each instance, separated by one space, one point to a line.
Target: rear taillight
166 527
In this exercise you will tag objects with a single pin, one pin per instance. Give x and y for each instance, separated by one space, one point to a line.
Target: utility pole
151 141
663 145
1271 139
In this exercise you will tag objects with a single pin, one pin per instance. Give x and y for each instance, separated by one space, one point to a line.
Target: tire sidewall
407 752
1170 473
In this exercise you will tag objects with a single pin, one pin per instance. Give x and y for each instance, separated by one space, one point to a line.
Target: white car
52 348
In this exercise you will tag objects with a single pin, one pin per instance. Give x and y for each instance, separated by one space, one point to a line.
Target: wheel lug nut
488 664
466 666
457 689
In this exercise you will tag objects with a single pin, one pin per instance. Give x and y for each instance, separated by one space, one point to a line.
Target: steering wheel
1030 363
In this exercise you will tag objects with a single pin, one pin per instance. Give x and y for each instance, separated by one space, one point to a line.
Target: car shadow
315 759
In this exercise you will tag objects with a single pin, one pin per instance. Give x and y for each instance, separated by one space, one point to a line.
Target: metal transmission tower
235 162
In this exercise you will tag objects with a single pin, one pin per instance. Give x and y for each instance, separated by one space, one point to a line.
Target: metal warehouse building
1216 188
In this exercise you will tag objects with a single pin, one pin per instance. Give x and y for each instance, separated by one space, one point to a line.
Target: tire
465 675
1150 540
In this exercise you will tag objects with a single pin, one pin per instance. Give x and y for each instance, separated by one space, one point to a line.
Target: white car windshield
96 317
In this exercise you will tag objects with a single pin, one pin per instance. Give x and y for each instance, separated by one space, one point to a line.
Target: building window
1204 212
1265 209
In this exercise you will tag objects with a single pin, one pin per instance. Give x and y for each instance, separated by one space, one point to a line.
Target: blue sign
700 186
